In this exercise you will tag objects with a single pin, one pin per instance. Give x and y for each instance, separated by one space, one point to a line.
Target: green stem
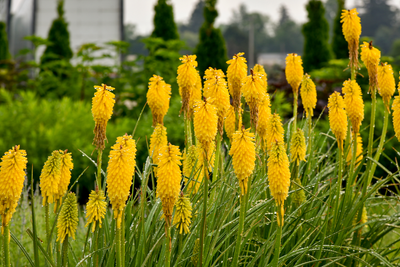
65 252
217 157
47 220
339 183
371 138
59 263
277 241
35 246
295 95
380 146
98 176
205 196
167 245
237 119
118 246
6 246
243 198
96 246
123 238
351 176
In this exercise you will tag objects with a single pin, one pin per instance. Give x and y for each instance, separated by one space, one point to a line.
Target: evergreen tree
164 24
4 53
211 50
288 38
376 13
59 47
197 19
316 37
339 44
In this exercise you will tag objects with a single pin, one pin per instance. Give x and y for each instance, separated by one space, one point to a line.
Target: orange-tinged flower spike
191 171
351 31
354 103
298 146
96 208
260 69
371 57
294 71
120 171
237 70
183 214
253 91
279 176
158 97
337 117
274 130
187 79
65 168
359 152
386 83
67 222
12 176
396 116
102 109
230 121
50 177
169 179
243 152
308 94
205 122
157 141
264 114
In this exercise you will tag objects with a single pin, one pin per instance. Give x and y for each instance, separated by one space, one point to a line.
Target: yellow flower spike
264 115
253 90
191 163
183 214
158 140
298 195
195 254
371 57
354 103
219 96
386 83
169 179
187 80
65 168
359 153
196 95
102 109
308 94
351 30
243 154
337 117
205 122
294 71
396 116
12 176
279 175
120 171
96 208
158 97
274 130
67 222
298 146
260 69
50 178
230 121
237 70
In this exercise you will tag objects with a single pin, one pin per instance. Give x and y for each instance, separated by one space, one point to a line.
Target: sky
140 12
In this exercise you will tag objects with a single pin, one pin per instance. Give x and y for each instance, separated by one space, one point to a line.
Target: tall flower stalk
243 154
279 183
168 187
205 127
12 176
294 74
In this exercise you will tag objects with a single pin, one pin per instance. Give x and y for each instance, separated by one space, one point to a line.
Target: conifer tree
164 24
59 47
316 37
211 50
4 52
339 44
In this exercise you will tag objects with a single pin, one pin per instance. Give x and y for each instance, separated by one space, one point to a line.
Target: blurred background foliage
45 104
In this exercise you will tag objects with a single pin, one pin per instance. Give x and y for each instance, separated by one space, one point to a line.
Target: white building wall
89 21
